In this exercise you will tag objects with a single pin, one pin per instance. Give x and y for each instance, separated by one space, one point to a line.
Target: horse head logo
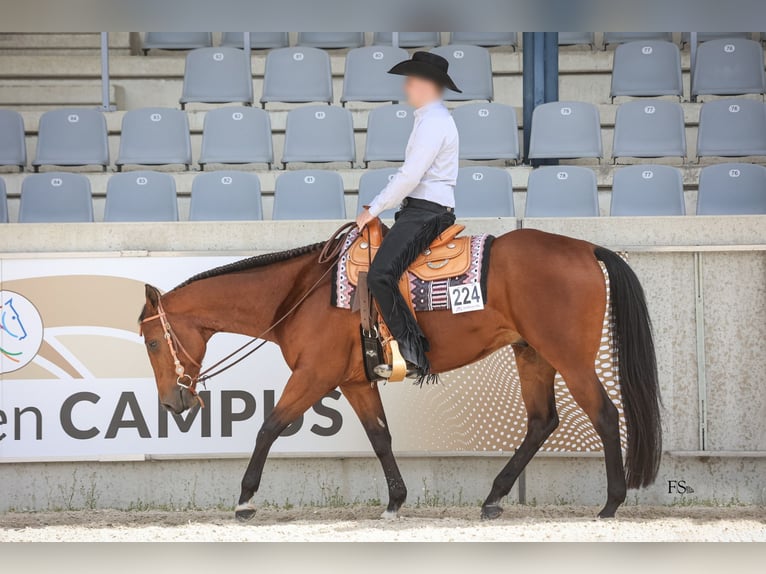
10 321
21 331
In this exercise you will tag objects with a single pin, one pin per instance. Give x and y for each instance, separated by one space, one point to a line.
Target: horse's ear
152 295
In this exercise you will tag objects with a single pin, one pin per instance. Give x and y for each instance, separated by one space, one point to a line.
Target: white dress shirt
430 165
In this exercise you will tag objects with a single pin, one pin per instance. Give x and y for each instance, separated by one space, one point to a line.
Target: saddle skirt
449 260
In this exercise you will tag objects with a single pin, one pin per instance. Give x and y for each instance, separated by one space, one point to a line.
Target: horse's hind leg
365 400
537 377
589 393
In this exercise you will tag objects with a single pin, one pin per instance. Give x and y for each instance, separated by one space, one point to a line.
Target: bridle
333 249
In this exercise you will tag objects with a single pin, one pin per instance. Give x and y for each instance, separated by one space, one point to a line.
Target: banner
75 380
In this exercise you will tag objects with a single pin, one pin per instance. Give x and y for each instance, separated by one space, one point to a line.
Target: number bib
466 298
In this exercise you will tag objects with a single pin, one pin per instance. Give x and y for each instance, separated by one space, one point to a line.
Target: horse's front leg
365 400
303 389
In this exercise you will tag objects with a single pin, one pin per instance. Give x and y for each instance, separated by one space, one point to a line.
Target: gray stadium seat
732 189
621 37
216 76
236 135
484 192
154 136
729 67
3 202
13 149
562 191
176 40
299 74
471 69
652 128
72 137
371 184
330 40
706 36
487 131
388 130
226 196
647 190
485 39
319 134
566 130
141 196
55 197
576 38
408 39
732 127
366 78
309 194
649 68
258 40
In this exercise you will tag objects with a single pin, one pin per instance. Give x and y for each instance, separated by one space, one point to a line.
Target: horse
546 297
10 323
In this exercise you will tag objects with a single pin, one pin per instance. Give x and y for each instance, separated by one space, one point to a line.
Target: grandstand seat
176 40
72 137
371 184
471 69
300 74
3 202
647 190
566 130
258 40
154 136
485 39
13 149
330 40
649 129
487 131
407 39
484 192
226 196
562 191
217 75
733 127
707 36
55 197
649 68
309 194
732 189
622 37
576 38
141 196
366 78
236 135
730 66
388 130
319 134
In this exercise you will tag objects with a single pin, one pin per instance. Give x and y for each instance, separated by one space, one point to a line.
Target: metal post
395 39
551 46
692 60
247 49
106 105
699 316
528 59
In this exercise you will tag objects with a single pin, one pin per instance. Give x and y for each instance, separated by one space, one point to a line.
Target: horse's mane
252 263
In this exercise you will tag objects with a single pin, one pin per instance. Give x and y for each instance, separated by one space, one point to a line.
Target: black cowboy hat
429 66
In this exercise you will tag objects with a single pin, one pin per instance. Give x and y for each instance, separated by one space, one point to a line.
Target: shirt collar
422 110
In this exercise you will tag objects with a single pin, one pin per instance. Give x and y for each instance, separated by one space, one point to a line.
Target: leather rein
332 250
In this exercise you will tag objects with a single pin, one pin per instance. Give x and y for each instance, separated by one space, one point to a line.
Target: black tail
632 334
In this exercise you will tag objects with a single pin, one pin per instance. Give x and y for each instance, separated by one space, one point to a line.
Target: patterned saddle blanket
448 262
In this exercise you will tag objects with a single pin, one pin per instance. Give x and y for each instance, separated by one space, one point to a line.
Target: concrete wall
665 254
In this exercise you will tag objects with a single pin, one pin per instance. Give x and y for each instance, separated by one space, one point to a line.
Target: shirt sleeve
426 142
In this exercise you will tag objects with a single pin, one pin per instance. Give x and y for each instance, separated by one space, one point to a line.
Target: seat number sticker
466 298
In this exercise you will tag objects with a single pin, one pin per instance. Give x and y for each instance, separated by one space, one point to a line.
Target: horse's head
11 322
176 348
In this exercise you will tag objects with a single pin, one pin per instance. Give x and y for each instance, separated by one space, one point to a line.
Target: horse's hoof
491 512
244 512
390 515
605 515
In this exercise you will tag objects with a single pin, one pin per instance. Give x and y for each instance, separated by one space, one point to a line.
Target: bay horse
546 298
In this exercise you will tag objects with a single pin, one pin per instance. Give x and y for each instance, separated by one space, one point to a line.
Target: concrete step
47 96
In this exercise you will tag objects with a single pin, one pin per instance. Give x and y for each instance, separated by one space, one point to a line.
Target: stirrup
385 371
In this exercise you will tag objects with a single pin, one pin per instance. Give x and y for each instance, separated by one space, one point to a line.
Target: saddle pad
426 295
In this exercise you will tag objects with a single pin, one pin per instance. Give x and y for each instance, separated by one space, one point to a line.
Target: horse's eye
153 345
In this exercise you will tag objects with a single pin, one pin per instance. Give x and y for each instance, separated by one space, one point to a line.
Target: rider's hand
364 218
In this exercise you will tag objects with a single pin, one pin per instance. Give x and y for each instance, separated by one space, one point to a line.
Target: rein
331 251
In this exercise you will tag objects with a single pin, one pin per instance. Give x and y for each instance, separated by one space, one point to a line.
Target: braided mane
253 263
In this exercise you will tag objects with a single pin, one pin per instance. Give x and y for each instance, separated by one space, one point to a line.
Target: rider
425 188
